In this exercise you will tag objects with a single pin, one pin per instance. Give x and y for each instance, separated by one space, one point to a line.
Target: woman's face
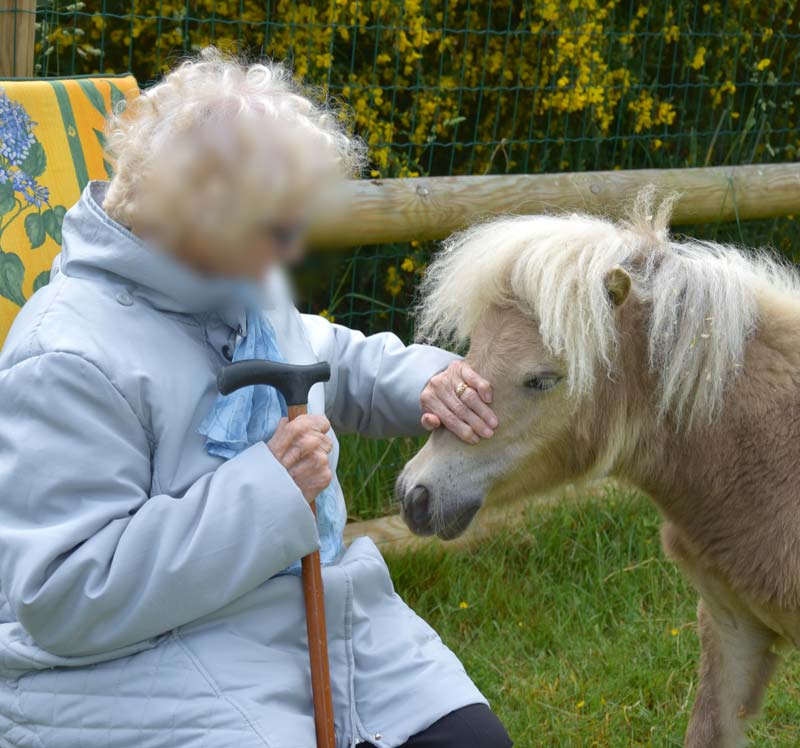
276 243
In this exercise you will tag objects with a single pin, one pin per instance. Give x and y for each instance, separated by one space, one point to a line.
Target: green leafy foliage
488 86
35 162
35 229
7 200
52 219
41 280
12 273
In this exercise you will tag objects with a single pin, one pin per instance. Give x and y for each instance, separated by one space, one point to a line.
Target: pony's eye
542 382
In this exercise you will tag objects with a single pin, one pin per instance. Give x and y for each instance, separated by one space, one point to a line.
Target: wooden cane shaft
318 651
317 635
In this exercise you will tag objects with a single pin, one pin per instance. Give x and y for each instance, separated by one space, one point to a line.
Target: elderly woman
150 530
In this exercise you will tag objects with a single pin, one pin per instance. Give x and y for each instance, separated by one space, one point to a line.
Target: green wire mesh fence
485 86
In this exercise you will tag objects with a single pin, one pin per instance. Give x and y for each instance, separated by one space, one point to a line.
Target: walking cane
294 382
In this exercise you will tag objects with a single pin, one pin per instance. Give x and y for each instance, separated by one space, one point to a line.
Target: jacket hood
95 245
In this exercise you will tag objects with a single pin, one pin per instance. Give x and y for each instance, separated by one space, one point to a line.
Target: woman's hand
458 398
302 447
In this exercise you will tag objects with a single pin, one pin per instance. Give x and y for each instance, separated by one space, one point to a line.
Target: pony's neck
747 452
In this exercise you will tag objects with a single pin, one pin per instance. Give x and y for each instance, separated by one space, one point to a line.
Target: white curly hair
219 146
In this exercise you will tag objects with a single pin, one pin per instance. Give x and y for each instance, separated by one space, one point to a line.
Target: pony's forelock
702 296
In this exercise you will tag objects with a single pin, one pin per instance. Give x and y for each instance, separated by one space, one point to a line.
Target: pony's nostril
416 510
418 494
419 505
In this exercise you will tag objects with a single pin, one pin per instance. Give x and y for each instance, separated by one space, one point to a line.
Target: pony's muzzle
416 508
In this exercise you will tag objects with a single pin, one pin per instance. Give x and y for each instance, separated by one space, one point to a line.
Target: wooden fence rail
398 210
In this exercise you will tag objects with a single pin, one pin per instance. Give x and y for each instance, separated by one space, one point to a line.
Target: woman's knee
475 726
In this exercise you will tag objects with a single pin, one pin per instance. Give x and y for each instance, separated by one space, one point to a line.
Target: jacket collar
95 245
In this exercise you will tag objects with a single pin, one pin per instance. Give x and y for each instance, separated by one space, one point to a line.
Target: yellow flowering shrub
478 86
485 86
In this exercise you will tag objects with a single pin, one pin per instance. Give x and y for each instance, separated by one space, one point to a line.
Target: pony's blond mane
702 296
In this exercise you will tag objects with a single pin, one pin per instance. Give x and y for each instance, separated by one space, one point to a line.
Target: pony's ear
618 285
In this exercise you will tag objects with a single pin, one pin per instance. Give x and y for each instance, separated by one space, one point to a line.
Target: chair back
51 145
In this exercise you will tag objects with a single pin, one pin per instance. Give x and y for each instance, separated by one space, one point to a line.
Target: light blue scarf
251 414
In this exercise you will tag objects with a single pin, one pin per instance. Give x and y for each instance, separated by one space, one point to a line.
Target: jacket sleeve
376 382
88 560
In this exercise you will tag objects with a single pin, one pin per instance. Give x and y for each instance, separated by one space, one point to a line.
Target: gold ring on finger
461 389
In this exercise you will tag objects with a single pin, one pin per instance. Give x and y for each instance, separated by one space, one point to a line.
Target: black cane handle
293 381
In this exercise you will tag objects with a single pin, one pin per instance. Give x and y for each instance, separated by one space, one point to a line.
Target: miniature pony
616 349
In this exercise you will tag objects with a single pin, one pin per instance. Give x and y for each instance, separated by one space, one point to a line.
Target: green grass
367 471
577 629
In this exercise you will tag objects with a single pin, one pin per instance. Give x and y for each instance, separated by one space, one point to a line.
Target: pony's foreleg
736 661
706 724
736 664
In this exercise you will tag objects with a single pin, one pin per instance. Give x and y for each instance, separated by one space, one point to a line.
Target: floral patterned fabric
51 145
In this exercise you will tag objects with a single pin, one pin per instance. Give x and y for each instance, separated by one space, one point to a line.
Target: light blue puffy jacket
137 604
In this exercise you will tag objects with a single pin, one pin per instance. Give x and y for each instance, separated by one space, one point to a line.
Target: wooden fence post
17 34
